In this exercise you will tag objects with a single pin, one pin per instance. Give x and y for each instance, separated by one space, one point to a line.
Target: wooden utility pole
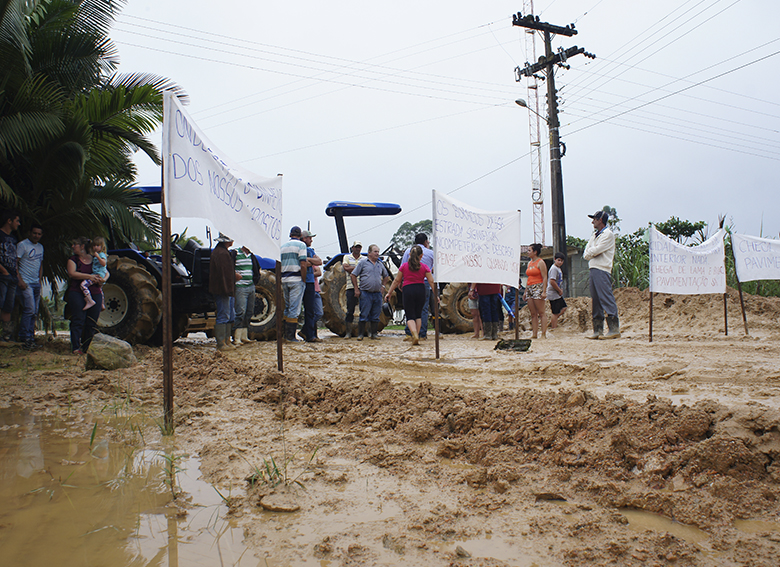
548 63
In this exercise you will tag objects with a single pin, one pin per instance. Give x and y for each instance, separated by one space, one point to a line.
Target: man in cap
294 265
599 253
222 285
348 263
310 294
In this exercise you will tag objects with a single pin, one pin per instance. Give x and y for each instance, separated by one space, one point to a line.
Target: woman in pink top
413 273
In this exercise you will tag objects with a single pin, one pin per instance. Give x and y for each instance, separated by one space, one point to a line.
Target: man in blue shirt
309 330
29 254
369 279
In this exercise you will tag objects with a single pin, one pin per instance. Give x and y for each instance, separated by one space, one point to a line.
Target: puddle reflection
96 491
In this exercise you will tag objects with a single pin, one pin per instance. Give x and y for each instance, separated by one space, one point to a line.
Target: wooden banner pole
279 317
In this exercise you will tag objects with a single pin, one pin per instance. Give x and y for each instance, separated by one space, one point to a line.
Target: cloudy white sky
679 115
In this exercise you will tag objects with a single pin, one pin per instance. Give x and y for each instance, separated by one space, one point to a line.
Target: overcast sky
678 115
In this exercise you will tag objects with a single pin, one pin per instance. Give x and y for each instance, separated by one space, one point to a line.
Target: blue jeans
309 321
370 305
82 323
318 311
490 308
7 293
226 309
30 297
245 305
293 296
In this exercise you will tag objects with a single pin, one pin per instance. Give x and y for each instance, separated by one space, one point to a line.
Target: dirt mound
685 314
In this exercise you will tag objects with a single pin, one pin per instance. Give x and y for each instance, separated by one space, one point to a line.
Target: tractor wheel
133 302
454 309
334 301
180 322
262 326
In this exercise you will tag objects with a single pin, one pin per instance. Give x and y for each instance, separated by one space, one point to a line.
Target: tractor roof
351 209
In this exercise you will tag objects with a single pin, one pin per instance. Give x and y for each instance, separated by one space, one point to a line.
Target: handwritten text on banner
472 245
686 270
756 258
201 182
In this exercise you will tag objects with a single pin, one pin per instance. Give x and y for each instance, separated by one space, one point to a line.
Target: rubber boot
374 325
348 334
240 337
598 327
361 330
496 327
222 334
614 328
291 327
487 330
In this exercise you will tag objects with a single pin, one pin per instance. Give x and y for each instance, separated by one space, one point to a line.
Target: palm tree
69 124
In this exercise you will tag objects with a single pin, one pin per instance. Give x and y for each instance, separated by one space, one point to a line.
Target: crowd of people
234 273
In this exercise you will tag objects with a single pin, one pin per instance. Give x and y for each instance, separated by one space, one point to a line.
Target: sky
678 115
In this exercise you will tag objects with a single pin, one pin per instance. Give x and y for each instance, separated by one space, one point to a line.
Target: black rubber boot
614 328
598 327
361 330
290 335
374 326
348 334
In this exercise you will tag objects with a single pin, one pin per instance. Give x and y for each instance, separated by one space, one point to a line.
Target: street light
521 102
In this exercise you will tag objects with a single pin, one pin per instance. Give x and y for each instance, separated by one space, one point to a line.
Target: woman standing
536 290
413 273
82 321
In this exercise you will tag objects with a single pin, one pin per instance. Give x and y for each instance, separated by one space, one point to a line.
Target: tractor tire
180 322
454 309
334 301
262 326
133 302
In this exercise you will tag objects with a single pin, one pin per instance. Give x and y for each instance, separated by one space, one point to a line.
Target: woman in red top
413 273
82 321
536 290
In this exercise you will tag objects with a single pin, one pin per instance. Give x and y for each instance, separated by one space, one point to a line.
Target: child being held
99 263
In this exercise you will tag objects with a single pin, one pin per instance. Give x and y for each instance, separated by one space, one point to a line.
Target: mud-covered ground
578 452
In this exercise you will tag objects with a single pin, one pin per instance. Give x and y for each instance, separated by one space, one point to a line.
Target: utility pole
548 63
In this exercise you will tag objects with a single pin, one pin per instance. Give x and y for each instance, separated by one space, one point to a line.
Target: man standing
310 293
222 285
29 255
245 295
369 289
427 259
294 264
9 222
348 263
599 253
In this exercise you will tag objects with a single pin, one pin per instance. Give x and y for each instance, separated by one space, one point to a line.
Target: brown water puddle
70 498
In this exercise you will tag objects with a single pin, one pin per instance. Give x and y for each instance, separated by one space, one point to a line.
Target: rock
279 503
460 552
109 353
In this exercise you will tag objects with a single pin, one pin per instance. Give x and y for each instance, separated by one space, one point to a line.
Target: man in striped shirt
245 296
294 263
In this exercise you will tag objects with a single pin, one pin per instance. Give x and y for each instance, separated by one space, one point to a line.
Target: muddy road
577 452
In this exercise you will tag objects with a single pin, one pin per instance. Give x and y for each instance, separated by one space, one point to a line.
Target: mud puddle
94 490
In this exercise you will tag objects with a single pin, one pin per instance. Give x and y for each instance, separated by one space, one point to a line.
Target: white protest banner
687 270
201 182
472 245
756 258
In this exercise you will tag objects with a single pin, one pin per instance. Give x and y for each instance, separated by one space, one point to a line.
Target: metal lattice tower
534 127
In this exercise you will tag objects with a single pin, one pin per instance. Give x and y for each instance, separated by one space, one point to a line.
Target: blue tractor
133 295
